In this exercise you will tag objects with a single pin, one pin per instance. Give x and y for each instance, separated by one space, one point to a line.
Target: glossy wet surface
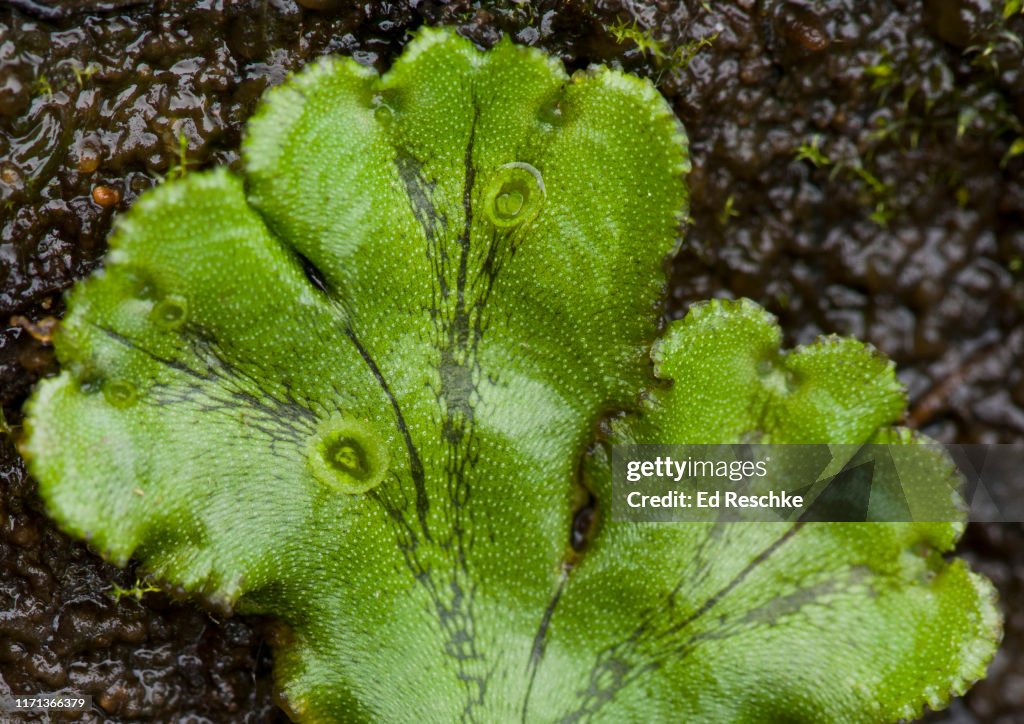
852 172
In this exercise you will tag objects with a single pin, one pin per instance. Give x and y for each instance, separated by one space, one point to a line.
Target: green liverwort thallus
358 387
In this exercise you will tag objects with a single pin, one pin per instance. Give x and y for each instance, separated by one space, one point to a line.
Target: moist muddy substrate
851 173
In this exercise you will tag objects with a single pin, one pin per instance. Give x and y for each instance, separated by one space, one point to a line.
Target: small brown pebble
9 175
88 161
106 196
800 26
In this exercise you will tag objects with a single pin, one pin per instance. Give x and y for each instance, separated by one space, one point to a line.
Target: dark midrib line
704 608
206 348
736 580
539 640
458 332
133 345
295 411
409 171
415 464
467 206
317 280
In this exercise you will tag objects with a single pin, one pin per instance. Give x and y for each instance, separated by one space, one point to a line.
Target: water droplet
120 393
170 312
348 456
514 195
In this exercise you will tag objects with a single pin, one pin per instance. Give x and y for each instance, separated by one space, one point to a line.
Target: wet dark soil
853 172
